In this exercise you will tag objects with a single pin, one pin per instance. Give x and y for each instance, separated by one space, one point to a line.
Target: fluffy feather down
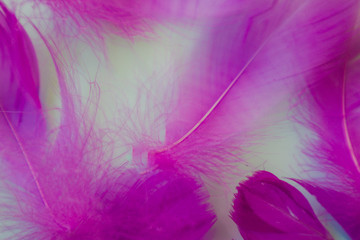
67 188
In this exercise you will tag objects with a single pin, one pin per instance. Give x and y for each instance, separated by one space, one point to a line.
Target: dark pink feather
331 110
22 124
19 92
266 207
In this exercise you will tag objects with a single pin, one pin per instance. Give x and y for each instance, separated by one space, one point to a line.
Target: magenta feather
21 123
250 56
66 188
332 113
266 207
20 103
241 60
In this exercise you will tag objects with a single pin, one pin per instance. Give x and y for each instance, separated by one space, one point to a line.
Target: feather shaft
25 155
232 83
345 126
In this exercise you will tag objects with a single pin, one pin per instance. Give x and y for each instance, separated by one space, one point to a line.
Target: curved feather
244 65
332 103
22 124
266 207
19 93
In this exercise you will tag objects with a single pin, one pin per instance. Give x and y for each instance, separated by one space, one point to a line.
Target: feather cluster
152 174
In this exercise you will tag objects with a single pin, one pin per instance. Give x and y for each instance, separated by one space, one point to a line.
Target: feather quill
241 60
266 207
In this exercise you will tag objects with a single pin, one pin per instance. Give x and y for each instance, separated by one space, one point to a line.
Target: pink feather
68 188
244 65
19 91
331 111
266 207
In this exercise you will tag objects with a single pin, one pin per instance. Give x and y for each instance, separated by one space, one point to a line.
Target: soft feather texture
128 17
266 207
67 188
21 121
330 108
243 65
249 56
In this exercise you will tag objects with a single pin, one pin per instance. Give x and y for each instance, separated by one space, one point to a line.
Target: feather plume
240 61
266 207
330 109
67 188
